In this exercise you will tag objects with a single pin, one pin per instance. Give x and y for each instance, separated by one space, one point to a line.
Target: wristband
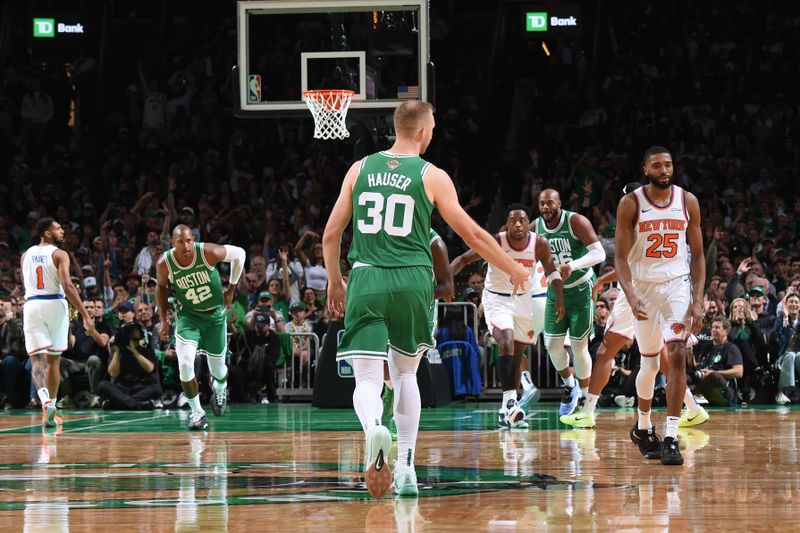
554 275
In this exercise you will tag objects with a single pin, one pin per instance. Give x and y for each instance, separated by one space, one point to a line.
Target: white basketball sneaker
405 480
512 416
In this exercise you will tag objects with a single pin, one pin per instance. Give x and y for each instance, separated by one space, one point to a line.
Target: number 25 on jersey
662 245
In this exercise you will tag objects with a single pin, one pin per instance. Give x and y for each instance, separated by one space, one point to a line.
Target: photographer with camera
134 377
256 365
263 307
715 372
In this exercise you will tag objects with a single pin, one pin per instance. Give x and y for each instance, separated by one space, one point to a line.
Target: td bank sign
539 21
48 28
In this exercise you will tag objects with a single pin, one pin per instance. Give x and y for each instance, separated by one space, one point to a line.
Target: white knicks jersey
39 272
498 281
539 285
660 251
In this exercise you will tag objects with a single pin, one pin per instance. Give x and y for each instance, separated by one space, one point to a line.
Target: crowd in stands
168 150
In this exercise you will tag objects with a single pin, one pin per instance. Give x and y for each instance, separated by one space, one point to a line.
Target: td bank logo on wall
47 28
538 21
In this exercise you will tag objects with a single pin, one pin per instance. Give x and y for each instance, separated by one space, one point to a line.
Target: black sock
505 369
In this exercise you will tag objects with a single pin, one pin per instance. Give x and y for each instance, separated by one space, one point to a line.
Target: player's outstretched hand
561 312
163 330
694 316
228 295
637 308
336 293
519 278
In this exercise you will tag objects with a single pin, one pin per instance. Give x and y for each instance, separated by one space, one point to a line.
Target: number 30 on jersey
377 219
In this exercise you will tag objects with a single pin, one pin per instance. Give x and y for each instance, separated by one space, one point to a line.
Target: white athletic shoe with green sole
405 480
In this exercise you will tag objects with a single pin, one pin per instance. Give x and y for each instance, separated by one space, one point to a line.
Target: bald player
189 268
576 249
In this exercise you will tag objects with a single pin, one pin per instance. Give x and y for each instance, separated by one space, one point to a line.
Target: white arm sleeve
596 255
235 256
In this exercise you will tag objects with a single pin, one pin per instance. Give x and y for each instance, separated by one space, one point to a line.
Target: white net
329 109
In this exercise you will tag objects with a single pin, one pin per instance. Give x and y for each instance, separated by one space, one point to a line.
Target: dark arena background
123 119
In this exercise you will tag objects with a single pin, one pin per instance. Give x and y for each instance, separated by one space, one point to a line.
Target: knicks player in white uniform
618 332
508 315
658 230
45 273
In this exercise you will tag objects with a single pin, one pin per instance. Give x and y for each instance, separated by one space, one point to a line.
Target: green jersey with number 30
197 286
391 212
564 245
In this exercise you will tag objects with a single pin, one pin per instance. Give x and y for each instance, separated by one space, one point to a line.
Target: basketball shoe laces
221 392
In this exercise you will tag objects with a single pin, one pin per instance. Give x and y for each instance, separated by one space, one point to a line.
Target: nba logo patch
254 88
393 163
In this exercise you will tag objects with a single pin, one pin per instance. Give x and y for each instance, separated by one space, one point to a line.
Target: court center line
152 417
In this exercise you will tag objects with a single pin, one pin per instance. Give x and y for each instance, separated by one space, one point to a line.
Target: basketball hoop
329 108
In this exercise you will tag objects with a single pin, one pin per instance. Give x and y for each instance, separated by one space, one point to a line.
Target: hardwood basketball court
297 468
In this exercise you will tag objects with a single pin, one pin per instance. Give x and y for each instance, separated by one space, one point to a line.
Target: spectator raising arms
315 273
288 270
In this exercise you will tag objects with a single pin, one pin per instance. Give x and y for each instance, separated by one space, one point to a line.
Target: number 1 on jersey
39 277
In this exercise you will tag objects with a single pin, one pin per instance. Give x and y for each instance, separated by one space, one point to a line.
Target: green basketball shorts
208 331
579 306
388 306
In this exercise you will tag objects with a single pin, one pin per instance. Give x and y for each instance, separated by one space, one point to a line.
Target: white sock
407 404
584 392
194 403
44 395
509 395
691 403
591 403
644 420
671 429
367 395
569 381
526 381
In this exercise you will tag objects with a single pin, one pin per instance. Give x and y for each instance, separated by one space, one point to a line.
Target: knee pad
646 378
581 358
402 366
186 355
217 367
368 371
558 355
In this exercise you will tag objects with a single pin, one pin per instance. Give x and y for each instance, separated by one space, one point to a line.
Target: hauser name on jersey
388 179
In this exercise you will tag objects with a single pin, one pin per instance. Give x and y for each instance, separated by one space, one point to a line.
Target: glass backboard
376 48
